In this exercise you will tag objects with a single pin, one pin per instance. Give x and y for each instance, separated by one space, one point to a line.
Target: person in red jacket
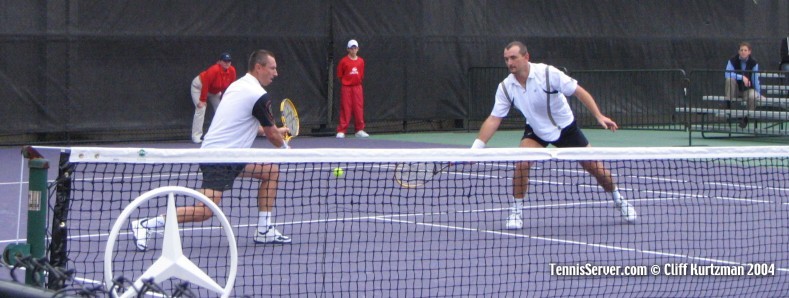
209 86
350 71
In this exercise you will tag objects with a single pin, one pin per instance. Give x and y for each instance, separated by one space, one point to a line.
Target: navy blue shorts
220 176
571 136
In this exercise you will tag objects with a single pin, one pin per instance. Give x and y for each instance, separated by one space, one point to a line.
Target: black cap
225 57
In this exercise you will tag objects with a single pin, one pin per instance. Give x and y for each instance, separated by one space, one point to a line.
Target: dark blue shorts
571 136
220 176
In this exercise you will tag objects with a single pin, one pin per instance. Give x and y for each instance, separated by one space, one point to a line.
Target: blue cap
225 57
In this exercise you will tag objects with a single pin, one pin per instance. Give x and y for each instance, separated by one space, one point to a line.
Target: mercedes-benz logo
172 263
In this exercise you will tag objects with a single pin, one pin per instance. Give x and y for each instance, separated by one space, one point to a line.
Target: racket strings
415 174
290 118
291 121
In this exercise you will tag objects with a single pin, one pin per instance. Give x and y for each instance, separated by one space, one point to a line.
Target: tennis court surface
708 210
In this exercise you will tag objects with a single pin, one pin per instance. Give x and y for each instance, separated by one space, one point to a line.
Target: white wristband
478 144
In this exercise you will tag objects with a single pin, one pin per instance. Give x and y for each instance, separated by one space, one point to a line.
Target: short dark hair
522 46
259 57
745 43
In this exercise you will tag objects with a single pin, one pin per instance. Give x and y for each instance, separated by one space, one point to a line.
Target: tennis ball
338 172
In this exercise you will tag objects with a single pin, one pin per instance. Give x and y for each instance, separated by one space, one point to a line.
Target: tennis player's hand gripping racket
415 174
290 118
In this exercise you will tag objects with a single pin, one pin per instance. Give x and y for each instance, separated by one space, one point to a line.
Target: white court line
674 196
464 174
698 196
573 242
394 218
137 177
734 185
13 183
744 186
467 174
657 179
777 188
390 218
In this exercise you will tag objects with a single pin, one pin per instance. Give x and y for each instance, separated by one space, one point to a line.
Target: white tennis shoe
140 234
272 235
514 222
362 134
340 135
627 210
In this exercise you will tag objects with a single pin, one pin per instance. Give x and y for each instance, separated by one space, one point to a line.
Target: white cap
353 43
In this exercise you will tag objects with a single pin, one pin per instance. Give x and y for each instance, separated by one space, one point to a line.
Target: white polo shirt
532 101
233 125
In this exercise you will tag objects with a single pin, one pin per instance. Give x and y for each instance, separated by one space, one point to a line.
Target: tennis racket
290 118
415 174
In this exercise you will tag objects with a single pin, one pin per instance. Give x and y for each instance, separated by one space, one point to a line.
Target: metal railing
714 115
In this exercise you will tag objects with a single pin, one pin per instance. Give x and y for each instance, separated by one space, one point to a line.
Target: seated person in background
741 78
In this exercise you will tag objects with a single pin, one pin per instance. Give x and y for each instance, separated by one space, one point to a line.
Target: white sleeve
502 105
562 82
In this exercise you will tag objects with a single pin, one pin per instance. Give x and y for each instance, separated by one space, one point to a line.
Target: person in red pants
350 71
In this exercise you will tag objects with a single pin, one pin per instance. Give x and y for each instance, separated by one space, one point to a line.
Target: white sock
264 220
617 196
517 207
152 223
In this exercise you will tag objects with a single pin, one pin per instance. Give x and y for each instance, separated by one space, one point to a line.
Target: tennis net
712 221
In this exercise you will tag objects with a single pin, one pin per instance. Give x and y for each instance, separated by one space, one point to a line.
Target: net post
58 255
36 211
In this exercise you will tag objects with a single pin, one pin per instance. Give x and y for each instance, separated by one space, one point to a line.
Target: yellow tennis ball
338 172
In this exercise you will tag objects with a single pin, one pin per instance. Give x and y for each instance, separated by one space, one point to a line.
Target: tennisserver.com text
671 269
597 270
